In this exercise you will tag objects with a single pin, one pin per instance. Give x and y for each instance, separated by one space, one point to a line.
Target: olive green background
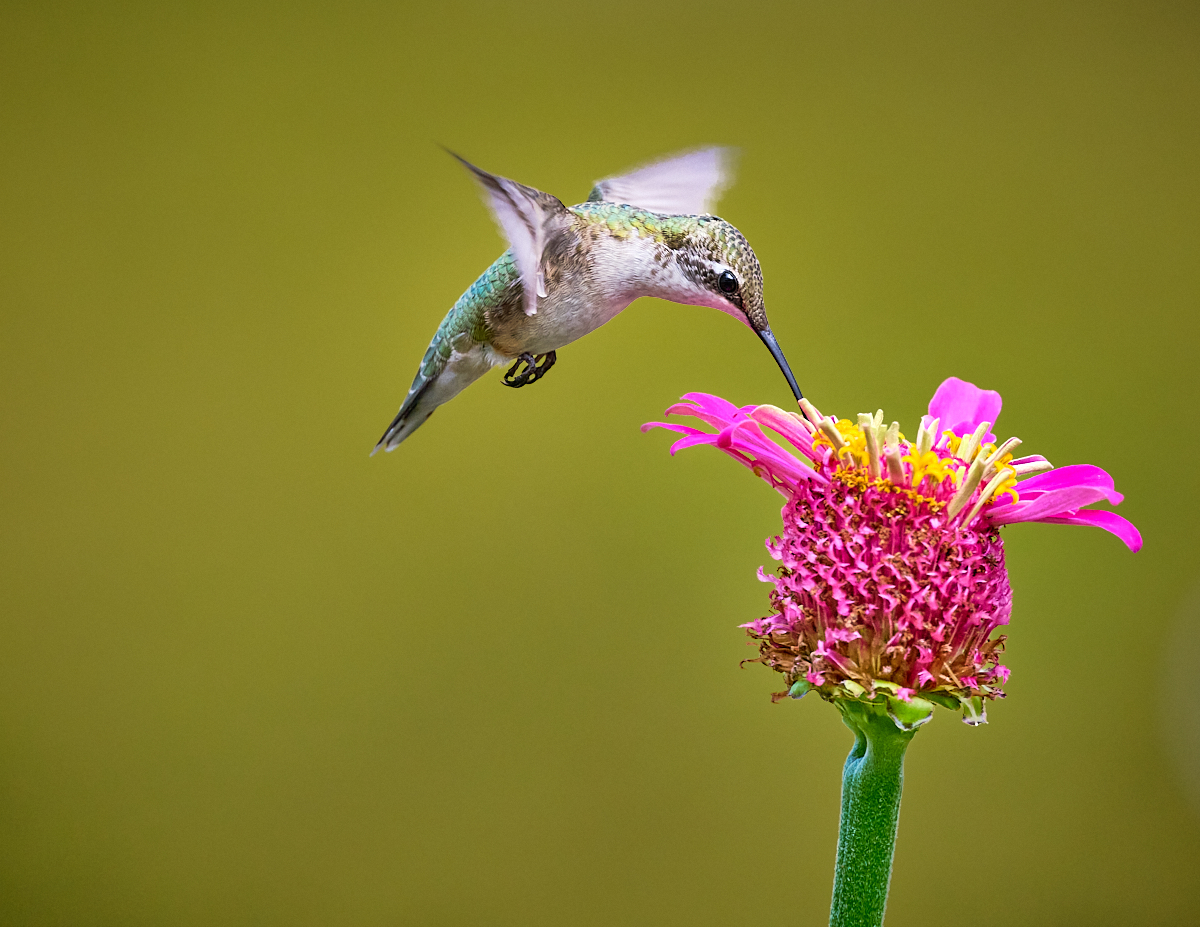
251 676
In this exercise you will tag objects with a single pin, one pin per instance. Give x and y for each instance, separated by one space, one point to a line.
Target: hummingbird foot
535 368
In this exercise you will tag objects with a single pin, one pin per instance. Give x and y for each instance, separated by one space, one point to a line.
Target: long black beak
776 352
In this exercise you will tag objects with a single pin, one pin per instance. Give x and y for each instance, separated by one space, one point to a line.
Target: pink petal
748 438
741 438
1109 521
671 426
709 418
694 435
1045 505
783 424
962 406
712 410
692 441
1075 476
712 404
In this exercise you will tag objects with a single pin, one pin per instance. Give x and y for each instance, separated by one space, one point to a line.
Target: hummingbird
570 269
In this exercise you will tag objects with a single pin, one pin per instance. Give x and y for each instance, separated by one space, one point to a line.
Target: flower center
860 481
960 473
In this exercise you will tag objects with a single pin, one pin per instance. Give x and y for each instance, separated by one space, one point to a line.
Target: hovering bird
568 270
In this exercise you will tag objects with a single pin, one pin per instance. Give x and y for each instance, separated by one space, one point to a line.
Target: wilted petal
759 627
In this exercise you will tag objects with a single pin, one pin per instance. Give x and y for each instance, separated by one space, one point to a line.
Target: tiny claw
535 368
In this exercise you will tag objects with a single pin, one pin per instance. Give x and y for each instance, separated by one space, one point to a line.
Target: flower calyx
907 709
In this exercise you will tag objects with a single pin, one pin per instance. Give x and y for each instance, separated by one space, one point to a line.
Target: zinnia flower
892 584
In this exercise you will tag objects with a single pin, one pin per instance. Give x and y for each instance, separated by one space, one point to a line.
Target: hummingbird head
719 261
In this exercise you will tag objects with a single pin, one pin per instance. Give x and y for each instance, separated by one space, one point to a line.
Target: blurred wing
689 184
527 217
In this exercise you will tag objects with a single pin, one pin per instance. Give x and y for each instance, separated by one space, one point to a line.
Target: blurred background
252 676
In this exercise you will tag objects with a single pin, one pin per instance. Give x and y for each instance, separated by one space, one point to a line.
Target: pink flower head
891 580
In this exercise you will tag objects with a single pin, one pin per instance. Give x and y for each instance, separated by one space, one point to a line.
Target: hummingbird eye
727 283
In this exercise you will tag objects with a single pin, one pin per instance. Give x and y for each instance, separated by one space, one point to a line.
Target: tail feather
408 419
430 391
400 429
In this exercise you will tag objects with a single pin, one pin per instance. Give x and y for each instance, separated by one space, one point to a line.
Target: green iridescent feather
468 317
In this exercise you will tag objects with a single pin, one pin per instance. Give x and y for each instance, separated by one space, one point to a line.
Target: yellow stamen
970 444
1008 485
928 464
1003 454
867 450
845 438
856 479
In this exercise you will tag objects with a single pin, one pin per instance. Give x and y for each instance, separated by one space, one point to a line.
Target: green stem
871 784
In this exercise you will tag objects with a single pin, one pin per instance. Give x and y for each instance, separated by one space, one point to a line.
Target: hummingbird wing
686 185
527 217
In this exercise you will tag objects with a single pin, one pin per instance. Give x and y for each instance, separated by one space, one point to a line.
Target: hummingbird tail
412 415
429 392
402 426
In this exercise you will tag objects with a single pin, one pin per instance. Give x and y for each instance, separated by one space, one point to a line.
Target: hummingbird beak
776 352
